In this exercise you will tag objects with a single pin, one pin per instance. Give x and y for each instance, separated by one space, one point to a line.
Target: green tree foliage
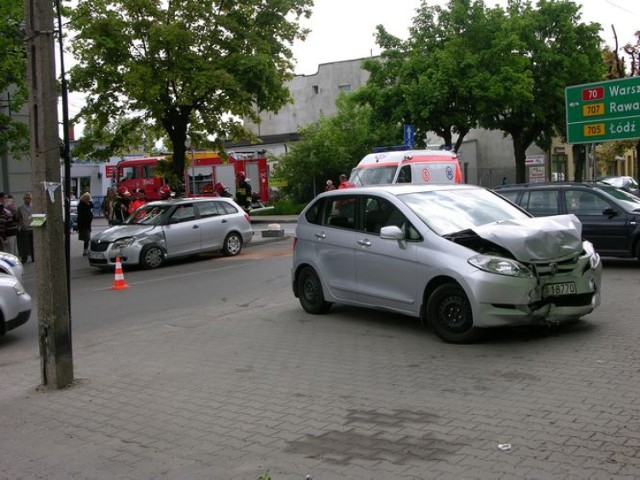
467 66
12 76
454 66
617 67
560 51
331 147
185 71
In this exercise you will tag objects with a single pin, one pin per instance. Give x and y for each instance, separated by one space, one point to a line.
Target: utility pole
54 323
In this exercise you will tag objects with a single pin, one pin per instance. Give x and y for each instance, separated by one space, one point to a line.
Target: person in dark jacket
85 217
3 223
121 206
243 191
11 226
24 217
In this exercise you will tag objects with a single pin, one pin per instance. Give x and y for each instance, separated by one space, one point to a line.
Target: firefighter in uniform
243 191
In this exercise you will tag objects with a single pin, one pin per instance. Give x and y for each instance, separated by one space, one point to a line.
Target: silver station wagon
459 257
170 229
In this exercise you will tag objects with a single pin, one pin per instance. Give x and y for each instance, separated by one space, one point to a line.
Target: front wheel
151 257
449 314
310 294
232 245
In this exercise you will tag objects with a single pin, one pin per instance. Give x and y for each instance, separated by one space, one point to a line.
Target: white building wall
313 96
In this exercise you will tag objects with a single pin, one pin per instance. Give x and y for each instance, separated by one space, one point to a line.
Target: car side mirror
391 233
610 212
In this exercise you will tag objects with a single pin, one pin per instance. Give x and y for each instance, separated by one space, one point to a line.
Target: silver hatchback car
170 229
459 257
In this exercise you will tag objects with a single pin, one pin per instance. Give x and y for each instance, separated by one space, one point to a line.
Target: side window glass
147 171
541 203
209 209
511 196
405 174
341 212
314 214
584 203
182 213
376 213
379 213
226 207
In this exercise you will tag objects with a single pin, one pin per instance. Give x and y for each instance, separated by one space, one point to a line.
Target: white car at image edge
15 303
11 265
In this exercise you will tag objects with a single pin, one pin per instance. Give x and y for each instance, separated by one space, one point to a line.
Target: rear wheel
638 250
232 244
151 257
449 314
310 292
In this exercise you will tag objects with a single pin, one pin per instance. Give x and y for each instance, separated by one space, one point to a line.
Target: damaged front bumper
558 291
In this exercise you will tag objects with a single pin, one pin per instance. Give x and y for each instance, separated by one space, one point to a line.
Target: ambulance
407 166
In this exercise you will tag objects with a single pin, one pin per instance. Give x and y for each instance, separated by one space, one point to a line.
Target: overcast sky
344 29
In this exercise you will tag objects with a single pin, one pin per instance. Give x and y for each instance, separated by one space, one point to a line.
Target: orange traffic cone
119 283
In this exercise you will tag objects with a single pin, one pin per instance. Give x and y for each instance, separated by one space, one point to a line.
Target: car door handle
196 226
364 243
223 220
321 236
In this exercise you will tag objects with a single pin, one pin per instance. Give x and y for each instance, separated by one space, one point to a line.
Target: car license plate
96 256
556 289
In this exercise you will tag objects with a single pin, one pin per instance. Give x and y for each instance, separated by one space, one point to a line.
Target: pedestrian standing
345 183
3 222
121 206
24 217
85 217
11 226
243 191
107 205
330 186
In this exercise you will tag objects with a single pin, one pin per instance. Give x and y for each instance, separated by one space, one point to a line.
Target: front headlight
500 265
594 257
19 289
123 242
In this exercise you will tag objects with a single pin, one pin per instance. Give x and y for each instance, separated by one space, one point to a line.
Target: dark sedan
610 217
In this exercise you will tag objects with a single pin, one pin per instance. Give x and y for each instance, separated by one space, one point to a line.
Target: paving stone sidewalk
352 395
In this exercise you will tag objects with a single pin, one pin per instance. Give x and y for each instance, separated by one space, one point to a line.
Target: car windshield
621 182
372 175
628 201
148 215
451 211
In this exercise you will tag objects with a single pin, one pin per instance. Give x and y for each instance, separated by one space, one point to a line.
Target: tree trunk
519 150
176 126
578 161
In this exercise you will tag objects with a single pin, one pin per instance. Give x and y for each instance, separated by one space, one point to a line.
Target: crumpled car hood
535 239
121 231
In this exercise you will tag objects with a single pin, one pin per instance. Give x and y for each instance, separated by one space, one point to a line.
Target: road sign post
408 135
604 111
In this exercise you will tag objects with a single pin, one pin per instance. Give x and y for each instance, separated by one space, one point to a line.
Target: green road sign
604 111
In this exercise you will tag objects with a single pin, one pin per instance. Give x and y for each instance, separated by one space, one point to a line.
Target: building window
559 168
345 88
315 89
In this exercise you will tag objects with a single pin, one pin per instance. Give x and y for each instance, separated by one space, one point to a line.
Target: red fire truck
203 171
